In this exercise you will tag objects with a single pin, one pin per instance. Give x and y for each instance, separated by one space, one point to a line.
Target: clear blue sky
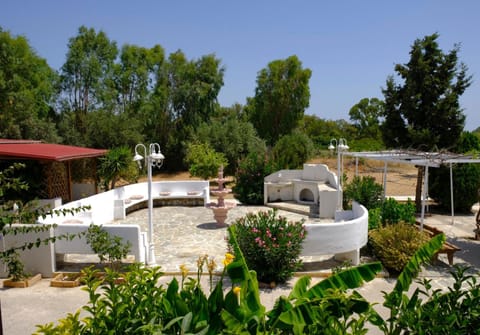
350 46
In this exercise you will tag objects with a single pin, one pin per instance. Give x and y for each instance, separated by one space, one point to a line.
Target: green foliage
466 183
27 91
203 161
230 135
424 111
292 151
393 212
270 244
109 248
455 311
250 176
364 190
281 97
366 116
185 308
15 268
116 164
395 244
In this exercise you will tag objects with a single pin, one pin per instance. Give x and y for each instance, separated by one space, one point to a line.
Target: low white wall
342 238
103 204
79 245
36 260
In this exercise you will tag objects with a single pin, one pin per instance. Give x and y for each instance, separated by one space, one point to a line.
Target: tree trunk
418 189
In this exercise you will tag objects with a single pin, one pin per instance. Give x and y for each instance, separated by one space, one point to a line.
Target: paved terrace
182 234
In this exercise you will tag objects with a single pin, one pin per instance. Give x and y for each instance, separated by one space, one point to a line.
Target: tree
86 75
27 91
230 135
116 164
281 97
292 151
366 116
424 112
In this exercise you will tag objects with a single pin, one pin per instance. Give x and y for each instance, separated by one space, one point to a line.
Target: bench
448 248
134 197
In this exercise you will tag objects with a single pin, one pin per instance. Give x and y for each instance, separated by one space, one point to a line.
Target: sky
351 46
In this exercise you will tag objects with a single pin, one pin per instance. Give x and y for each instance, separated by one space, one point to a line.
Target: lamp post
340 145
152 158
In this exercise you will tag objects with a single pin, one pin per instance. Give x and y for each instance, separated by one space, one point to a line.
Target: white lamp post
340 145
154 157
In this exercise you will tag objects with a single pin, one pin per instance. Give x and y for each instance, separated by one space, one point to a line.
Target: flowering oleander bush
270 244
249 177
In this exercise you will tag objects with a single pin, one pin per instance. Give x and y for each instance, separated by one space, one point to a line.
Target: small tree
204 162
116 164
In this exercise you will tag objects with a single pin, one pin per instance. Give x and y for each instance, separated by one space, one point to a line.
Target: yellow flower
184 270
228 259
236 291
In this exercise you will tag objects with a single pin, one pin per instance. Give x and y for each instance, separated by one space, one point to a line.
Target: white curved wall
342 238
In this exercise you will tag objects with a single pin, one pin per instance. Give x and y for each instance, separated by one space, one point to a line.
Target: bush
204 162
395 244
250 177
393 212
111 249
466 182
271 245
291 151
365 190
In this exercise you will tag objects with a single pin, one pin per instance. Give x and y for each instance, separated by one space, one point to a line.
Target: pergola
418 158
56 158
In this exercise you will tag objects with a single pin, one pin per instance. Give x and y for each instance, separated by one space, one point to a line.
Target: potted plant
16 272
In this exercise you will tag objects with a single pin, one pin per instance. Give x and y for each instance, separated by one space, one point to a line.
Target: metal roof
29 149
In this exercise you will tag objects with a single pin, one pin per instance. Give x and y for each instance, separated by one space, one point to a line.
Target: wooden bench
448 248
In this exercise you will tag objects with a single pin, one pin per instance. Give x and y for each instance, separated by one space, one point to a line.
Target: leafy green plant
116 164
185 308
270 244
395 244
15 268
455 311
249 177
292 150
109 248
393 211
364 190
204 161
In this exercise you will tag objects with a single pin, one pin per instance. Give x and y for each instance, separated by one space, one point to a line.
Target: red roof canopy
45 151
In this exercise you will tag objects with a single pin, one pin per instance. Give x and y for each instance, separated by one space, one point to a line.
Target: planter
22 283
66 279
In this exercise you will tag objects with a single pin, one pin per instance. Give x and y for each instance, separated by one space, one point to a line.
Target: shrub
395 244
109 248
364 190
393 212
249 179
204 162
271 245
292 150
466 182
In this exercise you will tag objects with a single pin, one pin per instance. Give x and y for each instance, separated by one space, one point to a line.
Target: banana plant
244 313
397 300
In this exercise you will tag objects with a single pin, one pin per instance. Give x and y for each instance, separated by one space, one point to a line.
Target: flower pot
22 283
